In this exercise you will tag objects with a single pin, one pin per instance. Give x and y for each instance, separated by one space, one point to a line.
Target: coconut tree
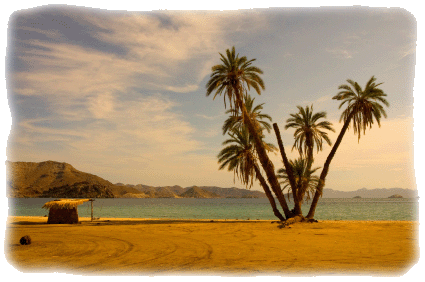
254 111
304 179
232 78
239 156
363 107
309 133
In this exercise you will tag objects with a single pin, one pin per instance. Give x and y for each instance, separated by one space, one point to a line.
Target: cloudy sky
121 94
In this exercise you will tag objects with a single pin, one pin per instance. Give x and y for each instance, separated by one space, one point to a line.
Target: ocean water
184 208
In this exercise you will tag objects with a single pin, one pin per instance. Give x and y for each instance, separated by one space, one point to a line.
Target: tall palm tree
309 133
232 78
304 179
236 121
239 156
363 107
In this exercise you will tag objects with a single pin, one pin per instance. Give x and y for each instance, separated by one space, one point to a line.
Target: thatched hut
63 210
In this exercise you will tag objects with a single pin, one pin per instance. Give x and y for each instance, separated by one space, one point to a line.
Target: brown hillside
152 192
156 192
196 192
165 192
30 179
78 190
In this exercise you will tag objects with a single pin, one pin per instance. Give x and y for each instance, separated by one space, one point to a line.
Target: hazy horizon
122 94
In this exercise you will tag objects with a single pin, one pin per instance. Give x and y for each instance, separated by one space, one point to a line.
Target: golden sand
219 247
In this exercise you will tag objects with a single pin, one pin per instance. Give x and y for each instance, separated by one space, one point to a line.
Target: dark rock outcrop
396 196
78 190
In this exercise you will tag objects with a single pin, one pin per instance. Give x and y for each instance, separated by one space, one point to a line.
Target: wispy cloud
341 53
410 50
211 117
102 105
319 101
183 89
146 127
346 45
158 48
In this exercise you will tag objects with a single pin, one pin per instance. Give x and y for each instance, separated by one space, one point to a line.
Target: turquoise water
327 209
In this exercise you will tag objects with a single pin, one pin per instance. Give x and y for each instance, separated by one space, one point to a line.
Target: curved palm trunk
289 172
305 184
325 170
262 154
268 193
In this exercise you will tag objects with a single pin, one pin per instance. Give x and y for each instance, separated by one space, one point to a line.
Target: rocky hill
54 179
196 192
156 192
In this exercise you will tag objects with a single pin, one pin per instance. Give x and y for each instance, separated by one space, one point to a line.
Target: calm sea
183 208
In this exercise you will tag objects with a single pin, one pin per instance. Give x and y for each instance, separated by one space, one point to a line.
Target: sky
121 94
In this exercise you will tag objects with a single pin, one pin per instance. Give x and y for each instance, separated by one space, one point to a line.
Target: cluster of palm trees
246 153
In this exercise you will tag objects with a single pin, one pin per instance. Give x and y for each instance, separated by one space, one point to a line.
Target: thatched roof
64 203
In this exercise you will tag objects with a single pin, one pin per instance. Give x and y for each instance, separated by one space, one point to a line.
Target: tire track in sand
112 248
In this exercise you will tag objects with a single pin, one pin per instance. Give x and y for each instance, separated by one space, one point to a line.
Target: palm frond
308 131
234 71
362 105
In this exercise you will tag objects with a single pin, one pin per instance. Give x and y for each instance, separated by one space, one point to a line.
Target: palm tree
309 133
363 107
239 156
234 77
236 121
304 179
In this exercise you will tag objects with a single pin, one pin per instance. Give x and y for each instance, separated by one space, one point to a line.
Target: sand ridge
212 247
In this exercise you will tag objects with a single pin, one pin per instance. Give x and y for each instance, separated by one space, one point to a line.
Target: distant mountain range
371 193
61 180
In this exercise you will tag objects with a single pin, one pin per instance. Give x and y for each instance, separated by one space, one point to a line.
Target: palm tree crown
235 121
234 73
239 155
363 105
304 177
308 131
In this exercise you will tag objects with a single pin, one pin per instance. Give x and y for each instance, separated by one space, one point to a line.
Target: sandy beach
218 247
